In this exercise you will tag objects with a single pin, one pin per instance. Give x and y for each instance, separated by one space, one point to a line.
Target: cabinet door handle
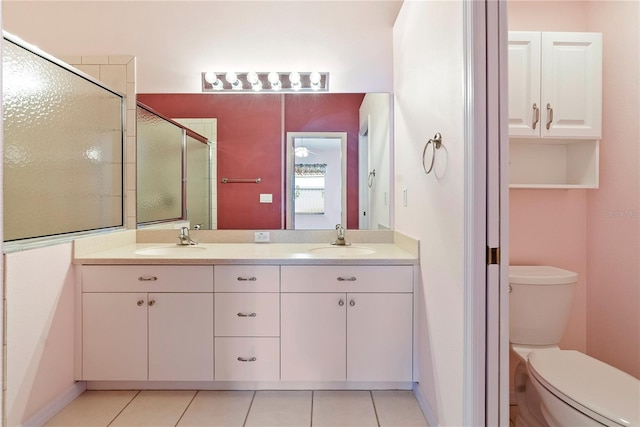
549 115
152 302
140 302
247 315
340 303
352 303
245 359
247 279
536 115
147 278
347 279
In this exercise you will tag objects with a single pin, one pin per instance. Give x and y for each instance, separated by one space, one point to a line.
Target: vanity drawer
347 278
247 314
247 278
147 278
247 359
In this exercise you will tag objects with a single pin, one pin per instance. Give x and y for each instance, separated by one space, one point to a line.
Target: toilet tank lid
592 384
540 275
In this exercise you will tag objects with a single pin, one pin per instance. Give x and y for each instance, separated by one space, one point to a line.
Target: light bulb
294 78
252 78
231 77
217 85
273 78
210 77
315 78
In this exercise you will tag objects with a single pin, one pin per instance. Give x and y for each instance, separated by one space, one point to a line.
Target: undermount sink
170 250
341 250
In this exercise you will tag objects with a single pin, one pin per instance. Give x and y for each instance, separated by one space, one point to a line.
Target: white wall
375 109
174 41
40 329
429 84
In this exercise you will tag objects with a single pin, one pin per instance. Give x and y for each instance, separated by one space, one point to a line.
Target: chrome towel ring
436 141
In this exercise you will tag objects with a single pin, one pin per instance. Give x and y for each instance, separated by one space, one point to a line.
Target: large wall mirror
251 168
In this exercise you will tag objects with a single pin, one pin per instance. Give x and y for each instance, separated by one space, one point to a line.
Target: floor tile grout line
375 410
123 408
246 417
311 417
187 408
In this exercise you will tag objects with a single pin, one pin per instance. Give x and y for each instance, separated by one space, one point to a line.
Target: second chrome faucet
185 239
340 241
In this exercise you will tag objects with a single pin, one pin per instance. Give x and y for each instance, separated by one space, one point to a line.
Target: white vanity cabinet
147 323
349 323
555 109
247 322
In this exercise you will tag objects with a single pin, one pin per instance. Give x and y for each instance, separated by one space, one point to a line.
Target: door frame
486 358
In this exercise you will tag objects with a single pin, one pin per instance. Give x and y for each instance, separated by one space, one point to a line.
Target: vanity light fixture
264 81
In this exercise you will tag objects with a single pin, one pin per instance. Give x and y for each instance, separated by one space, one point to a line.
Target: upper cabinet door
524 84
571 85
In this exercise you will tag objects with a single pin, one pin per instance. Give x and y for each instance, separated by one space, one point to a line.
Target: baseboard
48 411
424 406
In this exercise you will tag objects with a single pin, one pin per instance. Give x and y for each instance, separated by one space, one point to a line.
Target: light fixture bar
228 81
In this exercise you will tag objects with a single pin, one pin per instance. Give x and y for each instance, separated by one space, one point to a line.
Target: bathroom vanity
247 315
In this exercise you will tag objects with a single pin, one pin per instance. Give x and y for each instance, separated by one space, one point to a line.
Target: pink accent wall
613 233
593 232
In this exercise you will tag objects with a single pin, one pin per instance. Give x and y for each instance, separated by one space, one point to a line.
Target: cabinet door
572 85
114 336
313 337
379 337
524 84
181 336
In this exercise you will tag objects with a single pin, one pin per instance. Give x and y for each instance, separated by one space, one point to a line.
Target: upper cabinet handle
147 278
247 279
247 315
549 115
536 115
347 279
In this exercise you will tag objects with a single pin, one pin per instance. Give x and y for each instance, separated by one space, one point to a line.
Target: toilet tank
540 300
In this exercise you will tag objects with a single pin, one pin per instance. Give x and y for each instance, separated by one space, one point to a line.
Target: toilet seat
594 388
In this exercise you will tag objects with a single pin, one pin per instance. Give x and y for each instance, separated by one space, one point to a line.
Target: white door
313 337
181 336
524 84
379 337
114 336
572 85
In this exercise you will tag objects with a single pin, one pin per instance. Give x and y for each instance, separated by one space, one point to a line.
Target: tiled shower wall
118 72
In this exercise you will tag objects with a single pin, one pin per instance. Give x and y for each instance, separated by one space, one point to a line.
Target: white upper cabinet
555 85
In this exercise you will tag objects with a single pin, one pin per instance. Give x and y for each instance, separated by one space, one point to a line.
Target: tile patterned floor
242 408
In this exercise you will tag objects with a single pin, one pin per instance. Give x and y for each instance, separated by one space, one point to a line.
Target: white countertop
250 253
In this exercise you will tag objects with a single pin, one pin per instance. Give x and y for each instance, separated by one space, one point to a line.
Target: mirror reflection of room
250 140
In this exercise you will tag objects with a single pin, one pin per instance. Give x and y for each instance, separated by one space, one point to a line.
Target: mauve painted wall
571 228
250 145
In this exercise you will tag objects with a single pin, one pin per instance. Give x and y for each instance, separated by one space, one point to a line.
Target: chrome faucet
340 240
185 239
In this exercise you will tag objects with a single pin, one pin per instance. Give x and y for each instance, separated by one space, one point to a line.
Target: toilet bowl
554 387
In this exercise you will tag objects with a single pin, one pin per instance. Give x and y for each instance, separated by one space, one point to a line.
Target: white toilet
554 387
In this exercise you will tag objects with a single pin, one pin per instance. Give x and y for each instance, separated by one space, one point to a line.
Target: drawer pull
244 359
341 303
347 279
247 279
152 302
140 302
352 303
247 315
147 278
